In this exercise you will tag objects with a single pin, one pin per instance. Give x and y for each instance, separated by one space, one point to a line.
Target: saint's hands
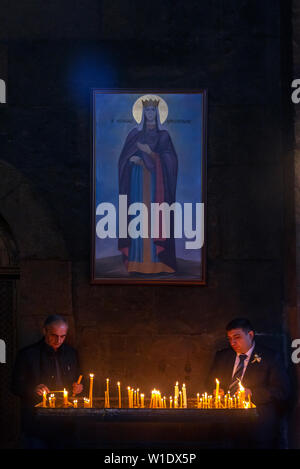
144 147
40 388
136 160
77 388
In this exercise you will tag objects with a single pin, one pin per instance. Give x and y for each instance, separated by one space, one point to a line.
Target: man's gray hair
55 318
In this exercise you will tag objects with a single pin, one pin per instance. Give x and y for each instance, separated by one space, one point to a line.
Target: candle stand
144 428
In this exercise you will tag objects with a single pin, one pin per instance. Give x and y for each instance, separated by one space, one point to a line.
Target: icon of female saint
148 168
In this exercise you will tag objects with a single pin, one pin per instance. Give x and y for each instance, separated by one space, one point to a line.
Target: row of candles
137 399
225 402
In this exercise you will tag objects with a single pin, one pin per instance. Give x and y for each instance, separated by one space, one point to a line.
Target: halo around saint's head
137 108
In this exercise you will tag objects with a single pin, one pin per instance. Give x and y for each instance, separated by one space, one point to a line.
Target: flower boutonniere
256 358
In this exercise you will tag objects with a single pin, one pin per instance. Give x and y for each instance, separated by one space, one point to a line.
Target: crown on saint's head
150 102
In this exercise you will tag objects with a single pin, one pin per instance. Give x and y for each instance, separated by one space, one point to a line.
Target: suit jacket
270 388
266 378
36 365
32 367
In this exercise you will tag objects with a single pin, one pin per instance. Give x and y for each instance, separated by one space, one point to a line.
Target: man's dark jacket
265 375
36 365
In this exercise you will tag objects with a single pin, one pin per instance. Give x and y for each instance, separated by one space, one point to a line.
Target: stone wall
146 335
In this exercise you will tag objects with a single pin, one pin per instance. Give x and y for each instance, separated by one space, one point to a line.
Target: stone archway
9 275
34 265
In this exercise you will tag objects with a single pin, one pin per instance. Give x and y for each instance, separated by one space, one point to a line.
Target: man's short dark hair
54 318
240 323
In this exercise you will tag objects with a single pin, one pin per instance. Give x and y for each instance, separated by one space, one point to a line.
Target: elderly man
263 376
47 365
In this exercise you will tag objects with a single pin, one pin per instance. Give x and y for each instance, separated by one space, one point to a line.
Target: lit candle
75 404
165 404
184 396
138 397
65 398
128 390
44 399
86 403
205 400
217 389
107 393
91 389
151 401
142 400
180 395
171 401
176 391
119 393
134 398
198 399
200 403
242 393
156 399
52 401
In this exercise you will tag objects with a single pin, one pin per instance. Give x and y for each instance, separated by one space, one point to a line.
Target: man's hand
77 388
40 389
248 393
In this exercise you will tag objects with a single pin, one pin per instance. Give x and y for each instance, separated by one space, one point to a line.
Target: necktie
238 374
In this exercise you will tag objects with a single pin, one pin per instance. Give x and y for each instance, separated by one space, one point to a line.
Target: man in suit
263 376
47 365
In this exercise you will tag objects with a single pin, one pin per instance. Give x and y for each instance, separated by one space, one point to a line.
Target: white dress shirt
237 360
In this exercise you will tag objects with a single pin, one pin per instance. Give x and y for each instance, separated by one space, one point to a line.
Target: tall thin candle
91 389
119 393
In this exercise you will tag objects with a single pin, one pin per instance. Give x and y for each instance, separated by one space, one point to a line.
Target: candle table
124 428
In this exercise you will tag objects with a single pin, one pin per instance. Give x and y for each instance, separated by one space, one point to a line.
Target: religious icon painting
148 187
